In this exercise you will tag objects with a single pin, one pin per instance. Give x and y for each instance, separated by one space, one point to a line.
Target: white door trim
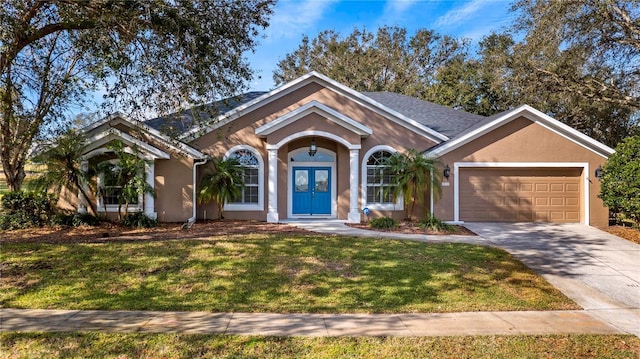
458 165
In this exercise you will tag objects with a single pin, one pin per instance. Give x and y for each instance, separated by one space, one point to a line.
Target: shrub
26 209
139 219
84 219
620 183
63 218
435 224
17 220
383 223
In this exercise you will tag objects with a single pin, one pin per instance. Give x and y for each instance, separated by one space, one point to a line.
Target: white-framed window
378 181
110 192
251 197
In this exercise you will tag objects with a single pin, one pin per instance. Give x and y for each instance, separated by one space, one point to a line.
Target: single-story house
519 165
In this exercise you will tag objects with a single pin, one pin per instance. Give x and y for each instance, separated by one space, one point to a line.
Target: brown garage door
520 195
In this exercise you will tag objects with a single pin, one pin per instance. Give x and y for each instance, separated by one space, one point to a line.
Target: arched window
251 196
379 179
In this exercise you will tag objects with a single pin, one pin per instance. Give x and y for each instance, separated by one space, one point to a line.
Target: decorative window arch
377 180
252 196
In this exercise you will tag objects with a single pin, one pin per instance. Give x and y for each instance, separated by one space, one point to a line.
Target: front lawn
280 273
95 345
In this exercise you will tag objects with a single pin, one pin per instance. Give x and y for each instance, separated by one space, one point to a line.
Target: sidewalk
314 325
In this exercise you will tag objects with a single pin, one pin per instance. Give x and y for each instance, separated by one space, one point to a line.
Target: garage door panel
519 195
557 201
572 187
542 187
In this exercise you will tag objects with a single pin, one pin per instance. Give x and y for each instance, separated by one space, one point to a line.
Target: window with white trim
379 179
251 191
110 192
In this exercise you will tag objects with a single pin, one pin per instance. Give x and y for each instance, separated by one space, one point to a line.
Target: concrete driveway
599 271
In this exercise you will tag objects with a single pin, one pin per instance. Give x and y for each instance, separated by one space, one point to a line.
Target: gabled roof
97 141
314 77
530 113
446 120
314 107
119 118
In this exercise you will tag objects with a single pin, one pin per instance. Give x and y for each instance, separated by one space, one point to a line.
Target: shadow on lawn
310 273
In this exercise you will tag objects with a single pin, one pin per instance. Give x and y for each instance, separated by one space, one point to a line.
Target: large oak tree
146 55
387 60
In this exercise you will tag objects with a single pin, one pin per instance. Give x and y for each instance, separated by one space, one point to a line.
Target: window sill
384 206
243 207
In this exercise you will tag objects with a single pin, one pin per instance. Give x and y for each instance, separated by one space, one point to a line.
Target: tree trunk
92 206
14 174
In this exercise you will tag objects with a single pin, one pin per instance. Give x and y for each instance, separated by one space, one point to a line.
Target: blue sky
292 19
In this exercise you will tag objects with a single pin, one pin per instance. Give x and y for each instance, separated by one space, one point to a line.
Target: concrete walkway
445 324
582 262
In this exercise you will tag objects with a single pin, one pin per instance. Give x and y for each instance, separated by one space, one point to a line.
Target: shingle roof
446 120
180 122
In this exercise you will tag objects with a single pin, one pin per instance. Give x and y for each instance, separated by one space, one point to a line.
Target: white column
272 209
149 200
82 201
354 213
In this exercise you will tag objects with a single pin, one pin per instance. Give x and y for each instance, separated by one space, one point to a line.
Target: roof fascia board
175 145
328 83
106 136
314 107
534 115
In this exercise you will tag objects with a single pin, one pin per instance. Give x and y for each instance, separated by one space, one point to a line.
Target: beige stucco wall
241 131
522 140
174 189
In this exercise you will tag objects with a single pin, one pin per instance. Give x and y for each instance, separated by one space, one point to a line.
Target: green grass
272 273
95 345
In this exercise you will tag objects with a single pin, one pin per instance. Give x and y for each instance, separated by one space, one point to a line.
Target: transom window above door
320 156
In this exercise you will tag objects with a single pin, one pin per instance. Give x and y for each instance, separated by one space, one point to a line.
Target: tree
126 174
64 168
388 60
413 177
222 185
155 55
620 182
578 62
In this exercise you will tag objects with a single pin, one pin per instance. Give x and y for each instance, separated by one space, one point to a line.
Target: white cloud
293 18
395 9
459 15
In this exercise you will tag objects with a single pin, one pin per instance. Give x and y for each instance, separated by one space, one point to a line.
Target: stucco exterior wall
522 140
174 189
241 131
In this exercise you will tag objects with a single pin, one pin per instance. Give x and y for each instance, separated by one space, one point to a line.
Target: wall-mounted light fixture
598 172
313 149
447 172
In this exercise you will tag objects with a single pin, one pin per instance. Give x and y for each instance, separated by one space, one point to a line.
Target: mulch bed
107 232
627 233
166 231
412 228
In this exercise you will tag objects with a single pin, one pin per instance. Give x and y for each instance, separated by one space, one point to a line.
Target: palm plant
126 173
222 185
63 167
412 177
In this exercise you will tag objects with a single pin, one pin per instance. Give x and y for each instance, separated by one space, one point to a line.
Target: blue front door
311 190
